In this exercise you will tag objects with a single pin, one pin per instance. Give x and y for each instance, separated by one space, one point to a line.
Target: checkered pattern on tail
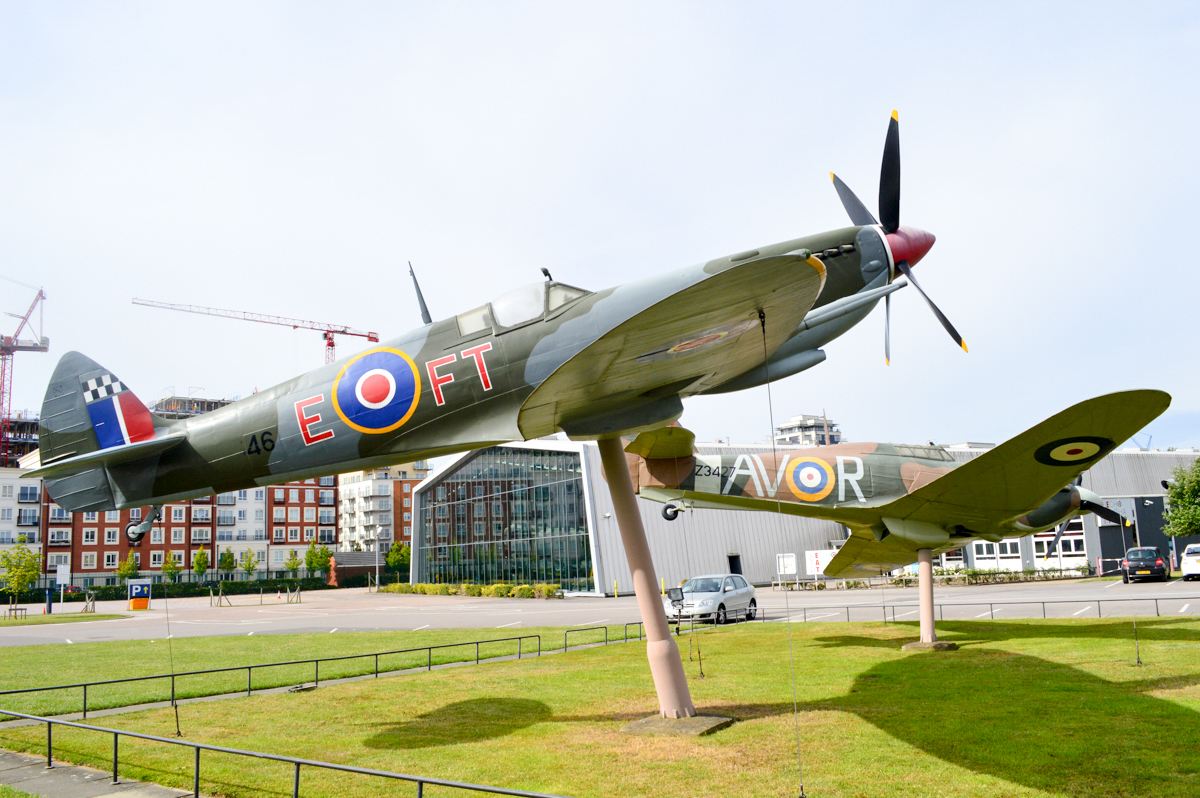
102 387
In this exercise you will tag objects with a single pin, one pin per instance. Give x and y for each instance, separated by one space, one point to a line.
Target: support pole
925 589
666 667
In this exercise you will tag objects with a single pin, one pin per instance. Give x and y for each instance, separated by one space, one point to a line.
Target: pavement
356 610
30 774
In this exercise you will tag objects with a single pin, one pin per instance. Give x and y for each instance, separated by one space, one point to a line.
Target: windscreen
1142 554
1192 551
702 586
520 305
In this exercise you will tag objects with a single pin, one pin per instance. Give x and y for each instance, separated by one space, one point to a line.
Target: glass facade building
506 515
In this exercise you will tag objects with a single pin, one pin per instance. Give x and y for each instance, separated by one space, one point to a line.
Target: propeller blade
889 178
857 212
1057 536
887 330
903 267
1102 511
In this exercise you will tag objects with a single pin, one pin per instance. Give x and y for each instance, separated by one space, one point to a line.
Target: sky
291 158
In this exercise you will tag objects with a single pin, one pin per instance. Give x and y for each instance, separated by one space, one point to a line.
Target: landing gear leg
136 531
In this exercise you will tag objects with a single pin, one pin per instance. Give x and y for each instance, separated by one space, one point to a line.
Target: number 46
267 443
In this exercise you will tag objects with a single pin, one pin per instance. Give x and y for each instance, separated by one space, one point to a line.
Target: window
156 536
473 321
407 502
408 488
408 531
241 494
28 494
110 559
156 559
6 514
1039 547
258 514
294 534
201 514
89 537
177 556
1010 548
326 536
478 529
224 534
558 295
278 514
55 560
442 530
293 513
110 536
310 513
309 533
279 557
225 517
309 496
226 498
497 509
241 515
57 515
408 516
89 559
28 517
112 516
325 498
60 536
176 514
201 535
258 495
326 516
294 495
326 482
89 516
177 535
241 535
441 492
135 514
277 534
7 492
279 494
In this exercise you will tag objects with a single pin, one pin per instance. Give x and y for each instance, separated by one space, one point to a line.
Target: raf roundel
810 478
1073 451
377 390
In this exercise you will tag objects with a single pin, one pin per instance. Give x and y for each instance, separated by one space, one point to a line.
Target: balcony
58 540
225 519
28 518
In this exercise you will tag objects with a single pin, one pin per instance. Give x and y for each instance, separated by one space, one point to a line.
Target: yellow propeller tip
964 346
832 176
896 115
887 362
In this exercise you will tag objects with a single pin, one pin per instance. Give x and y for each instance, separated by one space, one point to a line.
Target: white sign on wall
785 564
1122 506
62 575
816 561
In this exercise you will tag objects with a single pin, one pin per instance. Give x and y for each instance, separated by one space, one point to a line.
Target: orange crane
328 330
10 344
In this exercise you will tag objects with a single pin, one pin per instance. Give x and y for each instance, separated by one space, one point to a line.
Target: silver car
715 596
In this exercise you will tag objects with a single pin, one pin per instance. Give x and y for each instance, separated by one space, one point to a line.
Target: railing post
476 652
420 789
248 672
564 642
296 782
847 615
991 612
316 673
1099 612
606 635
518 648
116 737
376 666
172 689
1043 610
49 745
1156 615
430 651
196 776
85 702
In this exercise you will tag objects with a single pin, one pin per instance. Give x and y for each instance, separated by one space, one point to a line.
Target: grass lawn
9 792
90 662
1025 708
66 617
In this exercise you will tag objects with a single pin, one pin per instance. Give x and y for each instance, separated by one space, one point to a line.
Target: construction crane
328 330
9 345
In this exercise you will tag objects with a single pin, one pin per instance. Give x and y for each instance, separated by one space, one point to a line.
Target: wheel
670 512
131 533
752 610
1125 578
720 614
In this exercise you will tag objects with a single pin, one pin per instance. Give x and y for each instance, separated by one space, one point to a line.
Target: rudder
86 409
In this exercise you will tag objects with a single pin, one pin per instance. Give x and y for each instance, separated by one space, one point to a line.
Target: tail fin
87 409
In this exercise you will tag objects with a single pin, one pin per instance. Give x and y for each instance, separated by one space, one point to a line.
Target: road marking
1182 610
1082 611
1114 584
249 634
419 628
903 614
334 629
593 623
514 623
985 614
1185 607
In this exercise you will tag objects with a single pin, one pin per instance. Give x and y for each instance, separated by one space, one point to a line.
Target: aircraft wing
106 457
693 338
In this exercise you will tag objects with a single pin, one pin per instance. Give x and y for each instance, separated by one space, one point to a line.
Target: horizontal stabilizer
663 444
107 457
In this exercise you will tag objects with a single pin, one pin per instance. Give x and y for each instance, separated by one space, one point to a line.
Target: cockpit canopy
519 307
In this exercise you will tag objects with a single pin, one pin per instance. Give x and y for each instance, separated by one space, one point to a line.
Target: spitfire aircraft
541 358
899 499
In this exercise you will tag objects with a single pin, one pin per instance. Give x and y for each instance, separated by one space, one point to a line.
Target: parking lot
353 610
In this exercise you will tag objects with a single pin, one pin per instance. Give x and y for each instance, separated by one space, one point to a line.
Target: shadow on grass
462 722
1033 722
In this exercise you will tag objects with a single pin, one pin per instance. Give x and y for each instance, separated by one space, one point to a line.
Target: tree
249 562
226 561
200 564
399 557
293 563
169 568
128 569
317 558
21 567
1183 500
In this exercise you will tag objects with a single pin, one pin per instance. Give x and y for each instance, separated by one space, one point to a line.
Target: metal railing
991 605
316 663
296 762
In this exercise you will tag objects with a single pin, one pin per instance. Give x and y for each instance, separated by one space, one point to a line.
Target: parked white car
716 596
1189 563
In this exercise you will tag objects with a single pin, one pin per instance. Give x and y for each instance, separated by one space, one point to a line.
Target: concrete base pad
695 726
939 645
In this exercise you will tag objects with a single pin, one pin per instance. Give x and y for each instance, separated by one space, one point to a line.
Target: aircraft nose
910 244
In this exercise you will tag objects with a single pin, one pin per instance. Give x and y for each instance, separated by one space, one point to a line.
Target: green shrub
443 590
472 590
523 591
547 591
403 587
498 590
